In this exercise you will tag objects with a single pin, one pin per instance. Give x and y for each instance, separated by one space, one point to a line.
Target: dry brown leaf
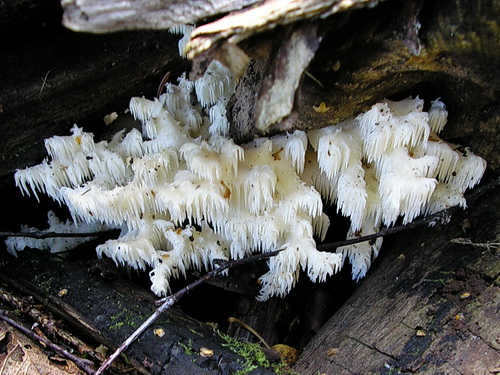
421 333
22 356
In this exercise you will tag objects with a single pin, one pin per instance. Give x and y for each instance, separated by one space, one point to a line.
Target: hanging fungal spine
184 194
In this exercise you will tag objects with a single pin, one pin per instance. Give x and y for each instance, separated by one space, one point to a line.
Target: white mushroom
184 193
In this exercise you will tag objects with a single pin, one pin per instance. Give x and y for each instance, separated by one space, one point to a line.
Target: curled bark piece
103 16
240 25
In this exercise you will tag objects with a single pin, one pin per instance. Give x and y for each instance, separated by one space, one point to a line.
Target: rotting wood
240 25
104 16
369 55
109 311
428 306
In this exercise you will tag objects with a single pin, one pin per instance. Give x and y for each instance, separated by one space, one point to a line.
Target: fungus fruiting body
184 194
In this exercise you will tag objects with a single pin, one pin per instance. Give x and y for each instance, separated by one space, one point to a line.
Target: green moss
116 326
123 319
188 348
253 356
393 371
441 280
46 285
192 330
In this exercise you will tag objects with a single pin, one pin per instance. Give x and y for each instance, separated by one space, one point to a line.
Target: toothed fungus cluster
184 194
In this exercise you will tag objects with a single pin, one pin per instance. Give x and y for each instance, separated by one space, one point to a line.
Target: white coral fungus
185 194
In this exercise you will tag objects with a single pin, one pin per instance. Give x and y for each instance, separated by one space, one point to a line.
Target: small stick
44 83
468 241
314 78
169 301
42 235
83 364
162 84
440 217
232 319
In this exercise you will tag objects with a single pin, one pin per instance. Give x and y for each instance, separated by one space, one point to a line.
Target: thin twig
314 78
83 364
45 319
468 241
42 235
441 217
44 83
169 301
163 82
232 319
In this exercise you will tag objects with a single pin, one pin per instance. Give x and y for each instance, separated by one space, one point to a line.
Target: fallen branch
440 217
42 235
83 364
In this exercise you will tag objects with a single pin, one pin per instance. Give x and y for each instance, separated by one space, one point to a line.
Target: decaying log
56 78
108 311
395 49
429 306
246 17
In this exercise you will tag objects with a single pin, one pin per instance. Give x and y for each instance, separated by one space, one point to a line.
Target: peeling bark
104 16
266 94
